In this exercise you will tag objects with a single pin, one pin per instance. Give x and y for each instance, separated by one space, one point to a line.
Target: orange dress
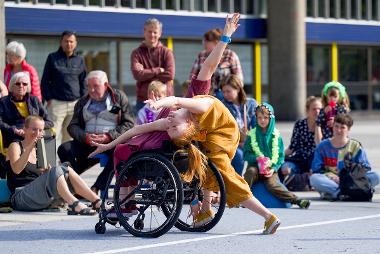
219 138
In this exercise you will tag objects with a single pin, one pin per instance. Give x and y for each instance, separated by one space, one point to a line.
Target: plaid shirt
229 64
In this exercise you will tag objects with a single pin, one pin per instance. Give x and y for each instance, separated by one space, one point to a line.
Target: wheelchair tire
156 184
192 190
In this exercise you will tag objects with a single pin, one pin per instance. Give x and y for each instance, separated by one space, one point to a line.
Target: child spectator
334 101
264 152
156 90
205 119
329 159
242 109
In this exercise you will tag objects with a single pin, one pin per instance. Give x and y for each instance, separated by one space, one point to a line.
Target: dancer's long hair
197 160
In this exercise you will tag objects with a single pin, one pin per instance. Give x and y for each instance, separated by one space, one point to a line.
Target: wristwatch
225 39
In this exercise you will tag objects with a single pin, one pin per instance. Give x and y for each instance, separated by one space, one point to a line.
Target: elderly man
100 117
151 61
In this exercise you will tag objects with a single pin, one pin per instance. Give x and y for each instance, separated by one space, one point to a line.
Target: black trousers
77 154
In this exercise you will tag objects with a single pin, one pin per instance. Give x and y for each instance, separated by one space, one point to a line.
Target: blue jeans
322 183
238 161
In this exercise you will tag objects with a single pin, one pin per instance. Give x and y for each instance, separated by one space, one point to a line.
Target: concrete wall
287 58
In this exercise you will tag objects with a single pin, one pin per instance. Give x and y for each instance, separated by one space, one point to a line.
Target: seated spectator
156 90
242 109
99 117
264 152
15 107
299 154
16 54
329 159
3 89
36 188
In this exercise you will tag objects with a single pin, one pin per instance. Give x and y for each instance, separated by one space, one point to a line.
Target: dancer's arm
158 125
212 61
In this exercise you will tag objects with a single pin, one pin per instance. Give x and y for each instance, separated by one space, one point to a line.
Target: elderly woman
15 107
16 53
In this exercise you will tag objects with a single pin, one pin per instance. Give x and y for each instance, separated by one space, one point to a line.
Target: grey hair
18 75
16 48
153 21
100 75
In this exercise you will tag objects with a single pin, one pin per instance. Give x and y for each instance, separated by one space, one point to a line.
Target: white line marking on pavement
157 245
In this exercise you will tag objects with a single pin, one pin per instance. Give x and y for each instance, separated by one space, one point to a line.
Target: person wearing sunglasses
18 105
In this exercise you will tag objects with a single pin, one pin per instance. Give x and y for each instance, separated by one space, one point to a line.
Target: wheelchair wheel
215 195
154 183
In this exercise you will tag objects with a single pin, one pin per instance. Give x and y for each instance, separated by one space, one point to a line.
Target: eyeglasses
21 83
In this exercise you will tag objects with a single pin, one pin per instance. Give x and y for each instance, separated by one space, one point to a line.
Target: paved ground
327 227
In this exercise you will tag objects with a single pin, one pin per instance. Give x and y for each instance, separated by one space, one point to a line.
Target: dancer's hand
231 24
167 102
100 149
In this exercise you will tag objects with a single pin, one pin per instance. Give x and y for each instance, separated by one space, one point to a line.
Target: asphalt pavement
326 227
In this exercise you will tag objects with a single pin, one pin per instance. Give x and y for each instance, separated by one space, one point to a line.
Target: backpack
298 182
354 184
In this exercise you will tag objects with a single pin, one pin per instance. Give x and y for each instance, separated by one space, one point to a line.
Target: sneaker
303 203
271 225
203 217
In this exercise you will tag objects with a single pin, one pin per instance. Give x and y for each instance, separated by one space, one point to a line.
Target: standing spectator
151 61
299 154
63 83
100 117
16 54
242 109
229 64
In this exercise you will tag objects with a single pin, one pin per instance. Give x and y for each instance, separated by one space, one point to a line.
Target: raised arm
212 61
158 125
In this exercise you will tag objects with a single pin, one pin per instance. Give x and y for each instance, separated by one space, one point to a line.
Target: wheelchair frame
163 199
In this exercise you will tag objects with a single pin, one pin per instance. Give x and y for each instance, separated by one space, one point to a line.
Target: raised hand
231 24
167 102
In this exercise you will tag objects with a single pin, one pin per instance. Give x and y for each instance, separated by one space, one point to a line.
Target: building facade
342 38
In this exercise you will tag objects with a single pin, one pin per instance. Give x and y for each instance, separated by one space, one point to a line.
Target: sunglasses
21 83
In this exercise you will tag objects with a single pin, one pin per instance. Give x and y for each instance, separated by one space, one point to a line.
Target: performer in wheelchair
205 119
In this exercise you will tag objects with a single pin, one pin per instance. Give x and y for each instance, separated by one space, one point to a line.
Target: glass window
237 6
170 4
318 64
321 8
343 9
185 5
354 8
94 2
211 6
155 4
309 8
198 5
78 2
332 9
250 7
110 2
375 75
126 3
225 5
374 9
140 4
353 64
364 9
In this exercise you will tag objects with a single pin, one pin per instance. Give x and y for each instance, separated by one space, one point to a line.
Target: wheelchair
161 198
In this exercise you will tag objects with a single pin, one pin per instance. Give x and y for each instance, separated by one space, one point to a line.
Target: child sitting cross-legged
264 152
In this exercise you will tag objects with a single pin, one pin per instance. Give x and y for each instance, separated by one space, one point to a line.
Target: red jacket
34 81
152 59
